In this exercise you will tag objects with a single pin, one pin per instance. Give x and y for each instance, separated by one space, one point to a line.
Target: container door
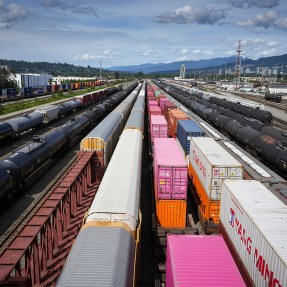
235 172
164 182
179 181
163 131
187 147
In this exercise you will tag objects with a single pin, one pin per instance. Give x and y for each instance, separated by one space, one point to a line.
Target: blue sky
132 32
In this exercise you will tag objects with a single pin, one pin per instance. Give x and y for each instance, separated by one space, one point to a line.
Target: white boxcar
212 164
255 221
117 198
50 113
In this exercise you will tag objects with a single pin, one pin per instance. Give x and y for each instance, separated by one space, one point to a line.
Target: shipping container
158 127
169 169
187 129
174 117
162 101
200 260
154 110
152 103
209 165
254 221
171 213
167 107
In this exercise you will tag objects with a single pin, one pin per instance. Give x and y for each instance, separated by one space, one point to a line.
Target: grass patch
22 104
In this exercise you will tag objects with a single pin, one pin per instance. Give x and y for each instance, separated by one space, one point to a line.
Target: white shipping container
212 164
255 221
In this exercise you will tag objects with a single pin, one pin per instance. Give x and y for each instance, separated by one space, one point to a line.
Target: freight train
10 94
106 249
273 98
263 146
213 171
14 127
17 168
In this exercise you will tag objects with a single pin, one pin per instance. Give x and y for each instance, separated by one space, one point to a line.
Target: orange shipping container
208 210
174 116
171 213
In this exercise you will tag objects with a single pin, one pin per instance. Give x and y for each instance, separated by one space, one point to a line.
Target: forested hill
55 69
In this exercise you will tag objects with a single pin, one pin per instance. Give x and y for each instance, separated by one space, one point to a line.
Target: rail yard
142 178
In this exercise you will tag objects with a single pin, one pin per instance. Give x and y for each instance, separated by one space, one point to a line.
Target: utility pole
100 69
237 66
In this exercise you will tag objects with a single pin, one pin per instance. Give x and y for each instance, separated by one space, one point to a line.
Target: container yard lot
163 194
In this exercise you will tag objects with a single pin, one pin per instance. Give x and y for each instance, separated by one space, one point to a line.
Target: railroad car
110 236
16 126
104 138
263 146
273 98
22 164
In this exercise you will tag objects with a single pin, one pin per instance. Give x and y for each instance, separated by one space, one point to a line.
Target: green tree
5 79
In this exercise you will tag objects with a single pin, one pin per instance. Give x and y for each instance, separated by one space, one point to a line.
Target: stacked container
170 183
154 110
158 127
200 261
152 103
209 165
162 101
254 222
187 129
174 117
167 107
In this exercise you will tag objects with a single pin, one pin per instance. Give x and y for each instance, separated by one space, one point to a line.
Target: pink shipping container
162 101
170 169
150 94
152 103
158 127
200 260
154 110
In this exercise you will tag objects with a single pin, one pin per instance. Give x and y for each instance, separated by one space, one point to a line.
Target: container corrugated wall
171 213
200 260
255 221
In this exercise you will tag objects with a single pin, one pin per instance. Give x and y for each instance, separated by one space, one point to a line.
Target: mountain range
225 62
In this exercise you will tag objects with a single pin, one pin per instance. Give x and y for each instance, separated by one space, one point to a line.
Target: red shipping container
174 116
158 127
162 101
167 107
170 169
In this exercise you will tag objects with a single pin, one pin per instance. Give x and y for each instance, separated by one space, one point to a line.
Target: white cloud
11 14
105 55
254 3
265 20
192 15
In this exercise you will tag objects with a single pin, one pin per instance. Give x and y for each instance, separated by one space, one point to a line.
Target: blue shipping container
187 129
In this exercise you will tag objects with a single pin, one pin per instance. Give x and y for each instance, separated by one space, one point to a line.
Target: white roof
216 154
117 198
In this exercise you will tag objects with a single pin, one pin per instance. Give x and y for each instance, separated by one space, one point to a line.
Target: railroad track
39 198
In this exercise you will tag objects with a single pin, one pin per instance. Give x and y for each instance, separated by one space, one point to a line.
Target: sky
132 32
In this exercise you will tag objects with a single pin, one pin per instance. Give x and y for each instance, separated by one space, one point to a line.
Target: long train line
98 214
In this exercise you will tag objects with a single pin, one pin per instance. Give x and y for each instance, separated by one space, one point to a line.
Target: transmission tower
100 69
238 66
